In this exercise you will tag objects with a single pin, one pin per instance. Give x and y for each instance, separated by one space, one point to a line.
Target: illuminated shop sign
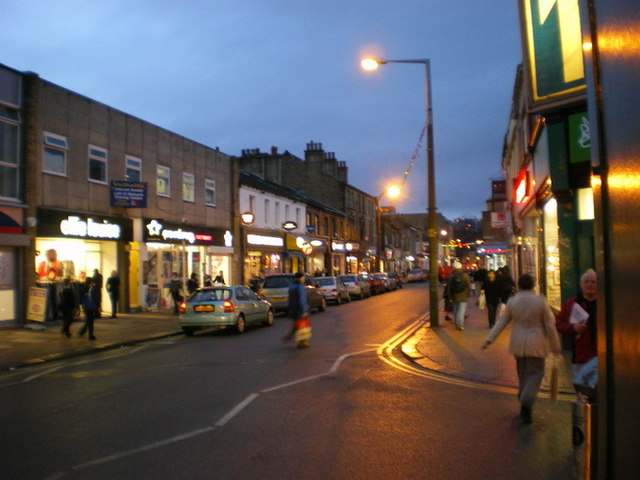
162 232
264 240
521 187
554 44
338 246
53 223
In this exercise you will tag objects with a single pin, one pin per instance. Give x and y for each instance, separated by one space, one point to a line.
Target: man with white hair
457 291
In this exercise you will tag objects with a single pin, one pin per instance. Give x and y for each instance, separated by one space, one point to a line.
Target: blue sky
238 74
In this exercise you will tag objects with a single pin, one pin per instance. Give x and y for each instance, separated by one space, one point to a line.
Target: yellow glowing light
587 46
596 181
369 64
393 192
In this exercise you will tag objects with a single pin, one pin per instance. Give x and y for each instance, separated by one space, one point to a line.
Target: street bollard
582 444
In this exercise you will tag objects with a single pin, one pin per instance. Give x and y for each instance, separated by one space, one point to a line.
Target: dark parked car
377 285
276 289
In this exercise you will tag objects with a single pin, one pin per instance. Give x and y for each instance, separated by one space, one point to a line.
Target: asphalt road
225 406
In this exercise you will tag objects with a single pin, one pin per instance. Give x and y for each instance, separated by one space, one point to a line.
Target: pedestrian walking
298 307
98 284
507 285
113 287
577 321
219 279
207 281
532 331
175 289
90 308
491 290
68 306
192 283
457 291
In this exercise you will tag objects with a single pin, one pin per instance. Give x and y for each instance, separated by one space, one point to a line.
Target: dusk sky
239 74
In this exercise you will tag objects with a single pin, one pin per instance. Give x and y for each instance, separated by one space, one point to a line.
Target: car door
252 306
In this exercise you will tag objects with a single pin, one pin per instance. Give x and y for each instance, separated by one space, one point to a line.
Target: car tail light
228 306
183 307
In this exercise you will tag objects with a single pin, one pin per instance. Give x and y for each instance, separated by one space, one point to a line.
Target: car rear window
278 282
326 281
348 278
210 295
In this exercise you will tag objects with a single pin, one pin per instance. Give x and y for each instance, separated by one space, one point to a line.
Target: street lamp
372 64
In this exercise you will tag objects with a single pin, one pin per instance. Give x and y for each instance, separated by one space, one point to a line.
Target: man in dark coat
298 305
90 307
67 306
113 287
98 284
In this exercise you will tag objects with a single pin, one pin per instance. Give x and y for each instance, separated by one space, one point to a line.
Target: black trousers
114 303
67 320
89 316
492 310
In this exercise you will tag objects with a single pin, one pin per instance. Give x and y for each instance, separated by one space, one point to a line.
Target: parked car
357 286
416 275
276 290
216 307
334 290
376 285
388 284
396 279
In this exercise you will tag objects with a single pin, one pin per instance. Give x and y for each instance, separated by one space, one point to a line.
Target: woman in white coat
532 334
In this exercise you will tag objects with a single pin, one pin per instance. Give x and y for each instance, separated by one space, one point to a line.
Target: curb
102 348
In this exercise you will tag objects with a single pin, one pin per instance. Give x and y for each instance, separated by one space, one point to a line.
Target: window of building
9 153
252 204
132 169
97 164
188 187
54 158
277 213
287 212
267 206
210 192
163 180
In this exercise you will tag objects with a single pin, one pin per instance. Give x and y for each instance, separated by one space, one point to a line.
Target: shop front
76 246
338 257
297 253
263 254
187 250
12 243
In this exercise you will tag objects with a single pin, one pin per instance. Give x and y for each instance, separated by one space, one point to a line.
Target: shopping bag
482 301
553 381
303 329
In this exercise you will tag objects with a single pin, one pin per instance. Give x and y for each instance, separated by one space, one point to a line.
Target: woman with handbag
533 330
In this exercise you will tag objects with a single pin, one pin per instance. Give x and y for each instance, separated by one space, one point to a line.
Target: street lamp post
372 64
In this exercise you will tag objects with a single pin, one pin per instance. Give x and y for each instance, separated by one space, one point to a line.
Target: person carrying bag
299 313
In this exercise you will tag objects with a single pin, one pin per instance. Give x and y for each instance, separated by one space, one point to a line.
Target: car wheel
188 331
338 299
240 326
323 305
269 320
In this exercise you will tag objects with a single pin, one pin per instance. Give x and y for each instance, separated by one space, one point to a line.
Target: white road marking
235 410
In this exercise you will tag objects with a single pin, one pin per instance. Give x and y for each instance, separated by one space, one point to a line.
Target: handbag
482 301
303 329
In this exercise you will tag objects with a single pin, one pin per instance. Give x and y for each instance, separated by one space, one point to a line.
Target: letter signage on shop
162 232
53 223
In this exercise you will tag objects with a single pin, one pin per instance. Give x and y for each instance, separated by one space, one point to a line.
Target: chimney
274 151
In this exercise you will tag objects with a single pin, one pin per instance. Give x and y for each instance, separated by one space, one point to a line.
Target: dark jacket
113 286
491 292
68 299
91 300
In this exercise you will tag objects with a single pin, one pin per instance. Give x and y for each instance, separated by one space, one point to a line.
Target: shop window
210 192
188 187
9 157
163 179
54 158
132 169
97 164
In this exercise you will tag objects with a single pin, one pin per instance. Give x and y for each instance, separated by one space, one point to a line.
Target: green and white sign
579 138
554 43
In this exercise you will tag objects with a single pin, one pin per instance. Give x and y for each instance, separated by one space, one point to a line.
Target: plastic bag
482 301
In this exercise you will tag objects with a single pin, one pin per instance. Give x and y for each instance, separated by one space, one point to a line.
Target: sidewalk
30 345
458 353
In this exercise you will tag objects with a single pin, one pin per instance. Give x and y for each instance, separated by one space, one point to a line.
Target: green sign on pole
579 138
554 43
